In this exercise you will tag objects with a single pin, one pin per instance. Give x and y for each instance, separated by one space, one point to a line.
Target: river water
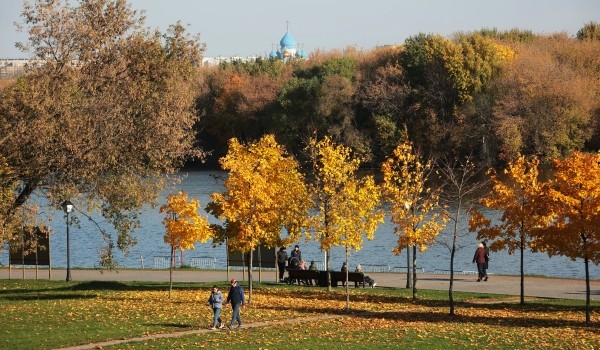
375 254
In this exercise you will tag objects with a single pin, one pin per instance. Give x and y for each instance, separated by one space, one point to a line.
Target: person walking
215 301
480 259
282 258
237 300
487 260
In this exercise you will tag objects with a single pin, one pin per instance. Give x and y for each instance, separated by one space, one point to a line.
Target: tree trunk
588 306
250 277
328 269
408 284
522 301
414 272
171 272
451 286
347 286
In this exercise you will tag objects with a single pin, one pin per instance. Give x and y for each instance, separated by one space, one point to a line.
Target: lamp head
67 206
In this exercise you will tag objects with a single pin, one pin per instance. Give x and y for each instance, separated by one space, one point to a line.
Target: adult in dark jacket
237 300
296 253
480 258
282 258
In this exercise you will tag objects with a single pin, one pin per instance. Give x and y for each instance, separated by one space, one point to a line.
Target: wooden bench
352 277
301 276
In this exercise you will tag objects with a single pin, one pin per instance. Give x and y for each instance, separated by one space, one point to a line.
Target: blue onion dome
287 41
279 55
273 54
302 54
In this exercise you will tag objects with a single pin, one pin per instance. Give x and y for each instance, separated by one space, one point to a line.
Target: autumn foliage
184 225
414 204
345 206
264 194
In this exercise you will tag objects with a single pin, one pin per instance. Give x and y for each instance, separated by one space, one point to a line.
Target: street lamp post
68 207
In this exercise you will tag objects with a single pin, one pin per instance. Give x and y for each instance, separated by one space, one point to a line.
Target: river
376 254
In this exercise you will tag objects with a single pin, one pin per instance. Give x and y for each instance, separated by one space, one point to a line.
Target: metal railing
401 269
376 268
447 272
164 262
204 262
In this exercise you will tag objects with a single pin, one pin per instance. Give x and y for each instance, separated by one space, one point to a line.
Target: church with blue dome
288 49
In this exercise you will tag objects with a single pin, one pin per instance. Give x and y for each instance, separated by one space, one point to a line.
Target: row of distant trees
489 93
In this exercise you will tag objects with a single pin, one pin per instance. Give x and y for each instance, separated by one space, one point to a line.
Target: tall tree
104 113
345 206
462 182
445 76
574 199
590 31
184 225
544 105
517 195
414 204
264 194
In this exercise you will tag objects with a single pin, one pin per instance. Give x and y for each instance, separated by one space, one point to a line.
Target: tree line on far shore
490 94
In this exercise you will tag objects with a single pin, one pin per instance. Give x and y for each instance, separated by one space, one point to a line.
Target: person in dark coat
296 253
282 258
237 300
487 259
480 259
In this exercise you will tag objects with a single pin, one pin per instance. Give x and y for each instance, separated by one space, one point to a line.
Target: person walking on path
237 300
215 301
480 259
282 258
487 259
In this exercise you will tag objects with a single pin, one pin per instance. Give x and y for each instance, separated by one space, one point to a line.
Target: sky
245 28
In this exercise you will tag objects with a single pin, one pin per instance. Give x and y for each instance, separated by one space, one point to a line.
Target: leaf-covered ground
50 315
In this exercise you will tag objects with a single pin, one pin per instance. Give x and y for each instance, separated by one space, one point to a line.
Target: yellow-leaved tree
574 200
184 225
518 196
406 187
265 193
345 206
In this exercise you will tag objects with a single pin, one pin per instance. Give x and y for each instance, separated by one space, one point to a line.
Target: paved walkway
509 285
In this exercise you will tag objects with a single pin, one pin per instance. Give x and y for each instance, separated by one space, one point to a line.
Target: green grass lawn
53 314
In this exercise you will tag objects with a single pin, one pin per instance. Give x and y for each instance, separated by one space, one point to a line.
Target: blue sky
242 27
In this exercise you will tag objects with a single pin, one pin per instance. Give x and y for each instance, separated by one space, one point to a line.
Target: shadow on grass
533 313
172 325
61 290
50 296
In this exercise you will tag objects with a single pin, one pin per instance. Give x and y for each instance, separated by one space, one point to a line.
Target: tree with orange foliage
345 207
265 193
518 196
184 226
574 200
406 187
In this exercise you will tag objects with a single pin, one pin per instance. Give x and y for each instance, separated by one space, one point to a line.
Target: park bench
301 276
352 277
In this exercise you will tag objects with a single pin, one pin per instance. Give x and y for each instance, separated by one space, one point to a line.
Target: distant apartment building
11 68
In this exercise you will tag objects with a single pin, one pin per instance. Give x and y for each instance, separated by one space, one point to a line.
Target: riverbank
539 287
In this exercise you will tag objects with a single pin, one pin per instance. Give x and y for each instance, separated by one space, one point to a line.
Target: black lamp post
68 207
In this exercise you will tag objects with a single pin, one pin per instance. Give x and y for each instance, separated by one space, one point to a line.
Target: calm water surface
86 240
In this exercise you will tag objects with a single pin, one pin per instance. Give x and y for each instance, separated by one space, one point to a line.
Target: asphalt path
541 287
